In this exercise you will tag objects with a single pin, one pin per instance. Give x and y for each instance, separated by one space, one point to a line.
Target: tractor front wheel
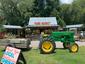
47 46
74 48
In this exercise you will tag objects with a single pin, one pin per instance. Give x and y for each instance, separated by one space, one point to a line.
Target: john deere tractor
47 44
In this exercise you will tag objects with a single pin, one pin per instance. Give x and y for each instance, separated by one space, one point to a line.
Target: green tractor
47 44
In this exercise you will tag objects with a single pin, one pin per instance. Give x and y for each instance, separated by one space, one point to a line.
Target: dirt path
35 44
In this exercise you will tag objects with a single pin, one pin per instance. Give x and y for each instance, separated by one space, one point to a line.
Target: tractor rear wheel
74 48
47 46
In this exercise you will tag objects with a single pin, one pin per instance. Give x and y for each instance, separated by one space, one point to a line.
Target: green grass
60 57
1 52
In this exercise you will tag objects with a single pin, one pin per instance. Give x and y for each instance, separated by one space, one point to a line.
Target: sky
66 1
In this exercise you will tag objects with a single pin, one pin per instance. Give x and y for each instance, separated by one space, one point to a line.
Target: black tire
75 46
43 48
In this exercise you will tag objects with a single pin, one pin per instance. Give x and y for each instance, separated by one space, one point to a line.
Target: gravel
35 44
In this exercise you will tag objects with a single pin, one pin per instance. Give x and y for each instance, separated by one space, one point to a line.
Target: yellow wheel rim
74 48
47 46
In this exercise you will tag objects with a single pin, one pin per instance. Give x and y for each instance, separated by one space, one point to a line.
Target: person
81 34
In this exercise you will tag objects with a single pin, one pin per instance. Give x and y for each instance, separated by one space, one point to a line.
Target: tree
13 13
2 22
74 13
65 13
18 12
47 8
43 8
25 8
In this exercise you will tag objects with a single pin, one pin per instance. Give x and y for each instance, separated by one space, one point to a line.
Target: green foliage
47 8
74 13
11 13
62 56
2 21
18 12
25 7
43 8
1 28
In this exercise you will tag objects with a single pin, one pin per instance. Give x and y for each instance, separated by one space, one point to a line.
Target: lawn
60 56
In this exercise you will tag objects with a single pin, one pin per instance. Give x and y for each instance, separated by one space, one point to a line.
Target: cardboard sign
10 56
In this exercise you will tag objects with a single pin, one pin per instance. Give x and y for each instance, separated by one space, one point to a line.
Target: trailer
18 43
